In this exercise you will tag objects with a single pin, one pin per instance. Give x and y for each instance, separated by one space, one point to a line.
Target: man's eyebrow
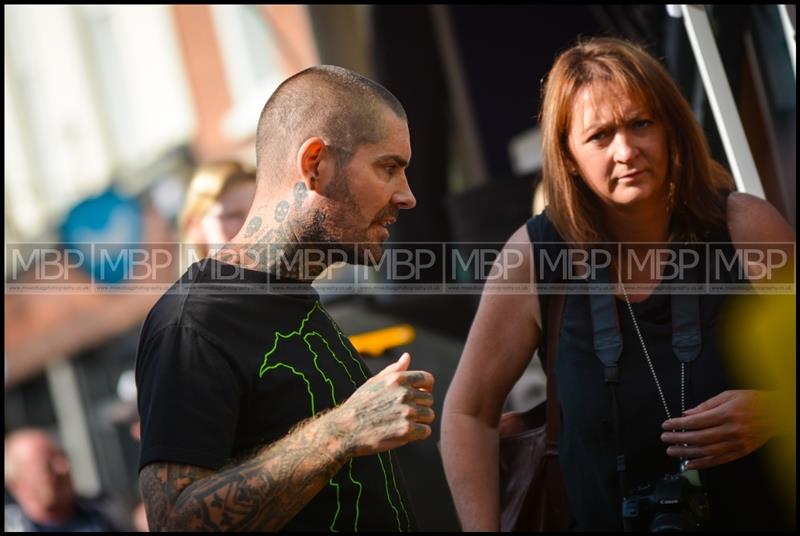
399 160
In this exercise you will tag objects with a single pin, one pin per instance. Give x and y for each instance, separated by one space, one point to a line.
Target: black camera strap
607 339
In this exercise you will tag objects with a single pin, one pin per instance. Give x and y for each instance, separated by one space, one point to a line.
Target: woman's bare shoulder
751 219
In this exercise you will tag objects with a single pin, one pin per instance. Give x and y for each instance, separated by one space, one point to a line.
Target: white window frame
248 91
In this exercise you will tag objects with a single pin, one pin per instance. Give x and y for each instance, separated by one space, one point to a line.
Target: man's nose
404 198
59 465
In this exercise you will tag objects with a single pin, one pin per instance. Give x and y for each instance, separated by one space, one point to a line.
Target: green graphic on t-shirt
391 465
306 337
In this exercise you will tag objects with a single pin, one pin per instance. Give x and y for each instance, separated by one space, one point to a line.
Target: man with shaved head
340 140
257 412
37 474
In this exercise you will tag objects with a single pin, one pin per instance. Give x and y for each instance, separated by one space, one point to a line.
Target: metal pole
475 169
72 426
789 23
721 100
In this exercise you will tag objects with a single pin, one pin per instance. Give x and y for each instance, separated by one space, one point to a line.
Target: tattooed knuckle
408 428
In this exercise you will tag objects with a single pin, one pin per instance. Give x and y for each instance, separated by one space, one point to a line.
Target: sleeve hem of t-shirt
180 456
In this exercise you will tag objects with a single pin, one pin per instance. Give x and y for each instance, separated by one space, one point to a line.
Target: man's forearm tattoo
263 493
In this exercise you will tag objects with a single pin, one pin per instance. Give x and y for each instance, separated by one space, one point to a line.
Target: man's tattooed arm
266 491
263 493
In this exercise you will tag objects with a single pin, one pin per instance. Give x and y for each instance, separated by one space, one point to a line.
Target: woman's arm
502 340
754 224
734 423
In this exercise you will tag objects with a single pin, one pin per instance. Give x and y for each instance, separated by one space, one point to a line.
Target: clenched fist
391 409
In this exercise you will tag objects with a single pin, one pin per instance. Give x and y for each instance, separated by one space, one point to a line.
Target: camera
670 504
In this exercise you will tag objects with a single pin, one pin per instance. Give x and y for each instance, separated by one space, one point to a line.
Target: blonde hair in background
209 182
539 200
698 184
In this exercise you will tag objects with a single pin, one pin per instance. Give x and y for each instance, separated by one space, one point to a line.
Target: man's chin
359 253
369 253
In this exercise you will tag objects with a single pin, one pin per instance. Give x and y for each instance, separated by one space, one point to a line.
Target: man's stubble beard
335 227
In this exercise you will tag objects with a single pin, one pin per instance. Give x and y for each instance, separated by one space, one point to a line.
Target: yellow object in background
375 343
759 336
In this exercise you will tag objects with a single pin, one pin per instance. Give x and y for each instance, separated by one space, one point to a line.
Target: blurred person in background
217 202
37 474
124 412
139 518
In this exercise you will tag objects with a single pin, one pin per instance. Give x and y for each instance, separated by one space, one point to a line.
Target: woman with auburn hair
217 203
624 162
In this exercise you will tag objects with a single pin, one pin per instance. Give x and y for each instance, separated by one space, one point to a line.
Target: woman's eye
598 136
642 123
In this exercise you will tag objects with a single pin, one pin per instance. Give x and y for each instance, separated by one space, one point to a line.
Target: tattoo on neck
252 227
281 211
274 249
300 193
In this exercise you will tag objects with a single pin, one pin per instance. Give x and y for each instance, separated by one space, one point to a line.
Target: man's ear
314 164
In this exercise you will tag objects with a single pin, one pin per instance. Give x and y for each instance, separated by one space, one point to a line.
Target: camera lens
672 522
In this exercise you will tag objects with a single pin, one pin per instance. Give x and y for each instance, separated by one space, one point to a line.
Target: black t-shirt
229 360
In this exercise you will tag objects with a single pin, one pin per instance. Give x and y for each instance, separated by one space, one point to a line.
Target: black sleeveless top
737 490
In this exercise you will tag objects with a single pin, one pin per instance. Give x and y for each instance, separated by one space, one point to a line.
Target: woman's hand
722 429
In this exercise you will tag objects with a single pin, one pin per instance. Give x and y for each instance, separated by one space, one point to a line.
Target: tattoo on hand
414 377
424 412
